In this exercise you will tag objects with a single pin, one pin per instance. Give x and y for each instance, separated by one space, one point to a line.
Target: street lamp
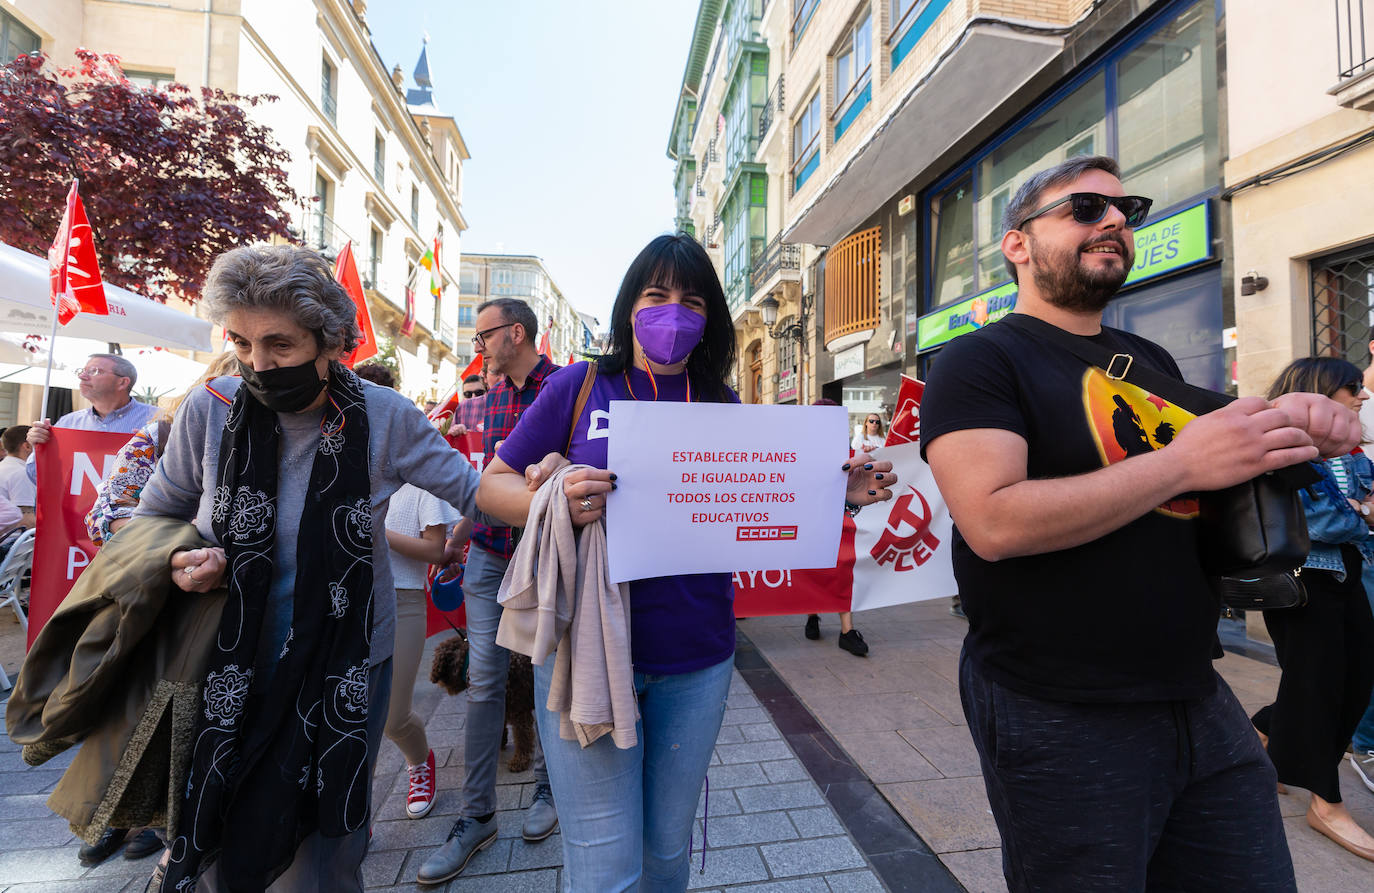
795 331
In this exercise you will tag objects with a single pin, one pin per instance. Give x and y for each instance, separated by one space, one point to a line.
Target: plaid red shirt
504 404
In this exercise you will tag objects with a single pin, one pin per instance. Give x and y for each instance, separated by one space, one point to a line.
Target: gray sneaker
541 819
467 837
1363 761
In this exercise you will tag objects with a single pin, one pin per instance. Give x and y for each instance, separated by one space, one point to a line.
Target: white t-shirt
15 485
862 444
413 510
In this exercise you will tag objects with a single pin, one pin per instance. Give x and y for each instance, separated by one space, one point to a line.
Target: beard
1065 282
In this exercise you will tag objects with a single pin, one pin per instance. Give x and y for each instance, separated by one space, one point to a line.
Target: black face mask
286 388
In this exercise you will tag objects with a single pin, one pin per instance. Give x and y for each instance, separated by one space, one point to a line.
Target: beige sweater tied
557 594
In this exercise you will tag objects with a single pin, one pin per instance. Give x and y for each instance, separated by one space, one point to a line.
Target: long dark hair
677 262
1317 375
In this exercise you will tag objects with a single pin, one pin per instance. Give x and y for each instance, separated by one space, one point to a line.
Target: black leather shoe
813 626
104 848
854 643
143 844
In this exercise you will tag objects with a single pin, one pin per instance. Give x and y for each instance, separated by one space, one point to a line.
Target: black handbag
1252 537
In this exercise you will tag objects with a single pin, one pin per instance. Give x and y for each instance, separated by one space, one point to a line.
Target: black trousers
1326 651
1121 798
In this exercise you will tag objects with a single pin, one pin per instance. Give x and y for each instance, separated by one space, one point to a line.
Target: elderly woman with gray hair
289 469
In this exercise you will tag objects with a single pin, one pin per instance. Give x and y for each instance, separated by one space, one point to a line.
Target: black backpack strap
1123 367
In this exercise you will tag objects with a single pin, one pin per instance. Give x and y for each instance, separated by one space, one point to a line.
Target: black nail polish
613 477
614 485
845 467
872 492
868 467
879 475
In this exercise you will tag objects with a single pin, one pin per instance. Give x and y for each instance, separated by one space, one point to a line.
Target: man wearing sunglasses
1115 758
473 404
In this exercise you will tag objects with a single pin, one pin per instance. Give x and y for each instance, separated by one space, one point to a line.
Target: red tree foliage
170 179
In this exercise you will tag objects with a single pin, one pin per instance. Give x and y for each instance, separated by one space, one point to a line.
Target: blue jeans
488 666
626 815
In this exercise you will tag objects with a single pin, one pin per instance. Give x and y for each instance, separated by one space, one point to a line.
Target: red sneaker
420 800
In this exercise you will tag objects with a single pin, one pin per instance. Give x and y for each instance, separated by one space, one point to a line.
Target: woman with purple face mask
627 815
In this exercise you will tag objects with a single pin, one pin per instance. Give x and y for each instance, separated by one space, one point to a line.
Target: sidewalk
770 829
897 715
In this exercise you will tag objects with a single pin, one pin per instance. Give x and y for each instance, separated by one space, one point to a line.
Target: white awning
25 306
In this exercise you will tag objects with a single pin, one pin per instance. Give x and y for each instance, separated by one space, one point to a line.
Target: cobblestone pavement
897 715
770 829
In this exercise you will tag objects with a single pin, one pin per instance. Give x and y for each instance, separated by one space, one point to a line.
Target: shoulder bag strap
581 403
1122 367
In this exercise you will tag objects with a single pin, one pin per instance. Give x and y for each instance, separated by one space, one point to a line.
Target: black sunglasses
473 393
1091 207
1354 387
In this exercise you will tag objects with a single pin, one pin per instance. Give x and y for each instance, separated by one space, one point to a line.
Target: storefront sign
1179 240
787 386
849 362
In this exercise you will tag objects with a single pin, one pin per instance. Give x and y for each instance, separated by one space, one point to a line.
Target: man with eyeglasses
473 405
506 333
1114 756
107 382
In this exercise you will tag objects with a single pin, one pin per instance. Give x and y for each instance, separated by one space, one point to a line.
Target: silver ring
586 503
189 574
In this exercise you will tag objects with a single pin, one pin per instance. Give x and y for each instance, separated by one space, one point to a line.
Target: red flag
906 421
474 368
572 358
544 347
408 324
346 272
73 270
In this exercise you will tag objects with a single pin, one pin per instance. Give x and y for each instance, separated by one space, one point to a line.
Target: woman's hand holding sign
869 481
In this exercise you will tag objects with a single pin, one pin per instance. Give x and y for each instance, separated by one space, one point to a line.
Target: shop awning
26 307
989 63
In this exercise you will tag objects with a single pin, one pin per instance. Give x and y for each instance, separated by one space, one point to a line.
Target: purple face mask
668 332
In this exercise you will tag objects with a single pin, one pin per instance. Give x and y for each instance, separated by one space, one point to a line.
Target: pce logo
766 533
907 541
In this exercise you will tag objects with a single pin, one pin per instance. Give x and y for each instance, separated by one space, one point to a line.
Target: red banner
70 468
823 591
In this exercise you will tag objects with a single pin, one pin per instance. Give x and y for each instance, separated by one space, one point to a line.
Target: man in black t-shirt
1114 756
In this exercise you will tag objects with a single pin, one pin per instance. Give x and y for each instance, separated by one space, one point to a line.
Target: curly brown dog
450 672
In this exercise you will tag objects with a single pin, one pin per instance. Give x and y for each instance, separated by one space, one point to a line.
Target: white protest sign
717 487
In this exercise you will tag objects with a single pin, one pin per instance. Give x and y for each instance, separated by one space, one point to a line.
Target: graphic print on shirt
1129 421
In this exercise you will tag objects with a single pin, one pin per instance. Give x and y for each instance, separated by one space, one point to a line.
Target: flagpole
47 376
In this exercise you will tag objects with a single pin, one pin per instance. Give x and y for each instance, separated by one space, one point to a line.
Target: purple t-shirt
677 624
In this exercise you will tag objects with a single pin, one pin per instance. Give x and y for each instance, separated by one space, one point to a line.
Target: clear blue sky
566 109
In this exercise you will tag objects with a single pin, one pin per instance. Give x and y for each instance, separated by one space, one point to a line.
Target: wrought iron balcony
772 110
774 258
1354 39
324 235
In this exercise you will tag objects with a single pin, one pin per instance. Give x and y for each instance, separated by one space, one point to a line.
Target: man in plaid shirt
507 330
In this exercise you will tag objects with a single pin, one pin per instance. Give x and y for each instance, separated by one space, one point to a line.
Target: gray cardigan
403 447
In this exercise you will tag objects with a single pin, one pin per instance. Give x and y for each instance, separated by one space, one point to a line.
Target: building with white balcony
524 276
376 164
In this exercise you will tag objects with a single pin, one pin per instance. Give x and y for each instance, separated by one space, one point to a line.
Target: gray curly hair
295 281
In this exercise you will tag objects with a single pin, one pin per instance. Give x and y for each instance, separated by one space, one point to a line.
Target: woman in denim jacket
1326 647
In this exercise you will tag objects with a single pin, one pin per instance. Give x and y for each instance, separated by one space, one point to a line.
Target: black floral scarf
273 761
